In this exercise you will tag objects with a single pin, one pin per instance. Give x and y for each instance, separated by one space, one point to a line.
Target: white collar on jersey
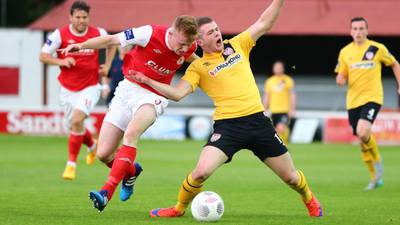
166 39
78 34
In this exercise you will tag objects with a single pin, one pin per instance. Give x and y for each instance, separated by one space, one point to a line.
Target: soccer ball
207 206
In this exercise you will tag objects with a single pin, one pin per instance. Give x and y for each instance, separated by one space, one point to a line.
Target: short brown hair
203 20
80 5
359 18
187 25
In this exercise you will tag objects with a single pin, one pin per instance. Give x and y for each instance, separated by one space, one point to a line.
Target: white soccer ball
207 206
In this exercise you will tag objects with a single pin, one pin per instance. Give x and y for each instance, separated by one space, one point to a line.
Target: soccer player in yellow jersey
280 99
224 74
360 65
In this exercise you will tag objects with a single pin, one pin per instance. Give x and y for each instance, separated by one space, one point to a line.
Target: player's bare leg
370 154
283 166
210 159
109 138
75 141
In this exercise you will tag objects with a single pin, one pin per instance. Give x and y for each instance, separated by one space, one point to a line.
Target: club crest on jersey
369 55
228 63
215 137
71 41
181 60
228 51
129 34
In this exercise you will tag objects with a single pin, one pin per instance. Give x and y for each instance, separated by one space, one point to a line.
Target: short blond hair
187 25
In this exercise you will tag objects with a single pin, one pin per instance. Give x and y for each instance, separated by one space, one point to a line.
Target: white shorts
128 97
84 100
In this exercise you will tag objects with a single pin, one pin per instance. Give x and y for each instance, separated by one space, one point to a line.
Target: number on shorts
371 113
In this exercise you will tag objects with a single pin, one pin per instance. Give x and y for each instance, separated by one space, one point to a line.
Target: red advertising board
42 122
386 129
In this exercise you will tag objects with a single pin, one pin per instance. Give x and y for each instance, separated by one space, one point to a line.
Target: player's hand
103 70
340 80
71 48
67 62
138 76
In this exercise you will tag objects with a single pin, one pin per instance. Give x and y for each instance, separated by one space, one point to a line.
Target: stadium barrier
196 123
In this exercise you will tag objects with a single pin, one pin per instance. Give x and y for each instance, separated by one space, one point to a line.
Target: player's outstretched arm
93 43
396 71
266 20
182 89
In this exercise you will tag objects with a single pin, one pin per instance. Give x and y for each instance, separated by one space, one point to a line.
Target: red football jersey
86 70
155 60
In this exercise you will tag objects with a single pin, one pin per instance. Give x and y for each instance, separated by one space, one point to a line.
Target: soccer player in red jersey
158 53
79 79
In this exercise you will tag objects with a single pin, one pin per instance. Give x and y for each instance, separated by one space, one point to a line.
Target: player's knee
363 134
76 124
103 156
290 178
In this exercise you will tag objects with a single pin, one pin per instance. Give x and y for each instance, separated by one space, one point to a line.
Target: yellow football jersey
362 65
226 77
279 89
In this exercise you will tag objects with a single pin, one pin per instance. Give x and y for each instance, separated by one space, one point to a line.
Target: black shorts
254 132
280 118
369 111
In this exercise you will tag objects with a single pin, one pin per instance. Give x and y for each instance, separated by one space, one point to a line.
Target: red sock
74 145
88 139
123 162
110 164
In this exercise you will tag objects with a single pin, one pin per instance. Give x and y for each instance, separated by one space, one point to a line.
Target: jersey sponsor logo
215 137
48 42
363 65
157 51
230 62
83 52
181 60
129 34
157 68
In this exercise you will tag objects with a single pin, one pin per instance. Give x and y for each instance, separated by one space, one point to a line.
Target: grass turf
33 192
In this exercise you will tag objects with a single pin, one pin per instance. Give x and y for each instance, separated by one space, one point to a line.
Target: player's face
278 68
179 42
211 38
79 20
359 31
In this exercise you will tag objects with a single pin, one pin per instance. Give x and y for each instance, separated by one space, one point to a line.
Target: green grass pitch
33 192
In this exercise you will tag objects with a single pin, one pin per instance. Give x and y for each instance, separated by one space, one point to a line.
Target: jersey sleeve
386 57
192 76
341 66
136 36
245 41
53 42
102 31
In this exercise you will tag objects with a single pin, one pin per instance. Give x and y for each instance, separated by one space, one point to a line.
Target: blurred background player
79 79
224 74
360 64
158 53
280 99
115 75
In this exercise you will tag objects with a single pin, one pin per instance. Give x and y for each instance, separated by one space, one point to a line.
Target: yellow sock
302 187
188 190
366 156
371 146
